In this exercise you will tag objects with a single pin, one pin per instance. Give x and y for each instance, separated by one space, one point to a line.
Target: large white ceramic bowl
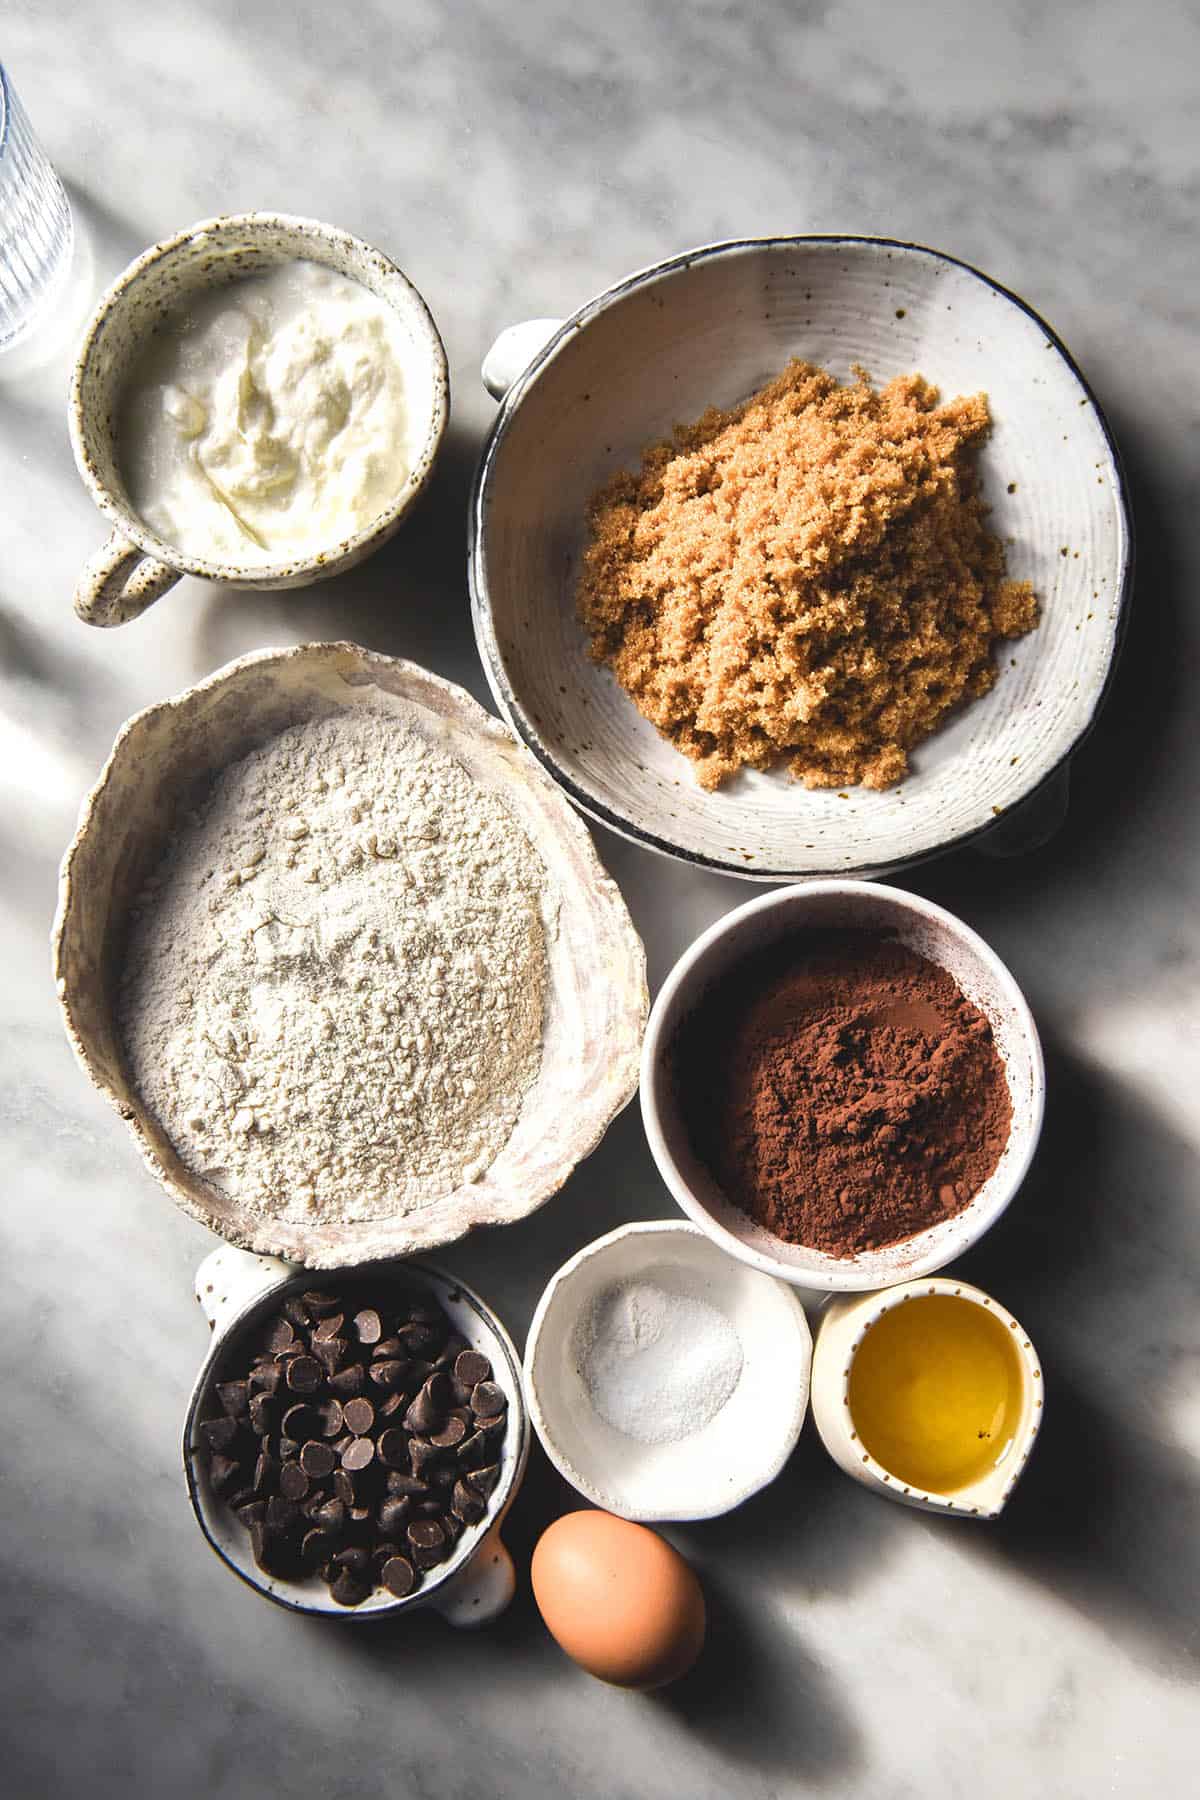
933 933
596 996
707 328
723 1461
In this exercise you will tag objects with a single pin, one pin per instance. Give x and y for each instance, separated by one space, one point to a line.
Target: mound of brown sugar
843 1090
809 576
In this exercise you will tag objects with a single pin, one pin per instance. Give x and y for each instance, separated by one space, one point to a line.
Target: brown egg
618 1599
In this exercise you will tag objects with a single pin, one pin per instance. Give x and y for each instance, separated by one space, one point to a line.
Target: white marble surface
515 158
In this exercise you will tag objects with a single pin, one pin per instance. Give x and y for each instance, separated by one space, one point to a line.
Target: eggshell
618 1599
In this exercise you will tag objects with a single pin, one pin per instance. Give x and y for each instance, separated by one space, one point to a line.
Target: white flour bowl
705 1305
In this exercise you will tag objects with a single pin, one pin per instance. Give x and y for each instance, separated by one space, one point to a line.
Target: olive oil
935 1392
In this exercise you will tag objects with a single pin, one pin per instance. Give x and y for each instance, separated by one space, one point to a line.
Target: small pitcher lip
451 1572
986 1497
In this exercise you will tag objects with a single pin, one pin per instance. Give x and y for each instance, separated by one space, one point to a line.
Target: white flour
657 1362
334 983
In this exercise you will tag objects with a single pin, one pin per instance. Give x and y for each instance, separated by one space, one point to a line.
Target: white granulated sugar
657 1362
334 984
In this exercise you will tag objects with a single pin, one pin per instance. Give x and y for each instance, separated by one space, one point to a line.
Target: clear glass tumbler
36 232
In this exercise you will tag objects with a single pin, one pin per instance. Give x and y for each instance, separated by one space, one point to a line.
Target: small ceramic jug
236 1290
844 1325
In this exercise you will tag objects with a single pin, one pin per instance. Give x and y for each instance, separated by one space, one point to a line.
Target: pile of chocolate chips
356 1437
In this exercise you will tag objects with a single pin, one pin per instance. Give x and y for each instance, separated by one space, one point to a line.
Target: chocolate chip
368 1326
357 1454
453 1432
393 1514
412 1485
450 1352
347 1382
452 1527
487 1400
293 1482
329 1328
251 1513
430 1509
301 1421
388 1374
472 1452
460 1392
265 1378
279 1335
348 1590
289 1448
235 1398
330 1353
427 1541
304 1375
319 1305
359 1416
262 1413
331 1517
421 1454
392 1449
484 1480
329 1412
398 1576
356 1560
469 1506
222 1472
260 1542
316 1548
266 1472
420 1340
295 1310
423 1416
343 1486
280 1513
317 1459
389 1347
387 1409
471 1368
219 1434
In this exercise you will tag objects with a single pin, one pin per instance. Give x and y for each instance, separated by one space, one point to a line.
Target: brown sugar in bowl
931 932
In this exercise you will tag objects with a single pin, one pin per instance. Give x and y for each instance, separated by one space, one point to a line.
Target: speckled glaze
596 998
471 1587
844 1325
136 566
931 932
708 328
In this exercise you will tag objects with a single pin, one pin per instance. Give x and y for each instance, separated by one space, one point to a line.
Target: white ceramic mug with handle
137 566
236 1291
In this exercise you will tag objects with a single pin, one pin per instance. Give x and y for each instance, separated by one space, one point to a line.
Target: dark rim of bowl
222 1341
489 651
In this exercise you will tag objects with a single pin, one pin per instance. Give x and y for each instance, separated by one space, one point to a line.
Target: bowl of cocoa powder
842 1084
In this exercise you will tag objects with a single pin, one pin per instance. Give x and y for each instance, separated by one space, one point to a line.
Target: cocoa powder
843 1090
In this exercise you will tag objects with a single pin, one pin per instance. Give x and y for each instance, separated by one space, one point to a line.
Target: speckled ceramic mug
137 566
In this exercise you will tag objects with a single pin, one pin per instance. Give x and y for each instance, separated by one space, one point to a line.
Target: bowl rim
766 1471
492 1520
687 971
323 562
481 614
244 1234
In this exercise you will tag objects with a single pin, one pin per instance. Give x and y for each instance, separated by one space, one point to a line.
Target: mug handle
483 1589
120 582
513 351
229 1279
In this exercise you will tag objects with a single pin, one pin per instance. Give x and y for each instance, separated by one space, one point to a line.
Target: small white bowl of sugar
665 1379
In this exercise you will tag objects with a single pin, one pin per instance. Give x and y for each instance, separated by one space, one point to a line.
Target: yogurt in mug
268 419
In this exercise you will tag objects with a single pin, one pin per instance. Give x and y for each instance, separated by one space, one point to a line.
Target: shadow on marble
1135 767
1097 1260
